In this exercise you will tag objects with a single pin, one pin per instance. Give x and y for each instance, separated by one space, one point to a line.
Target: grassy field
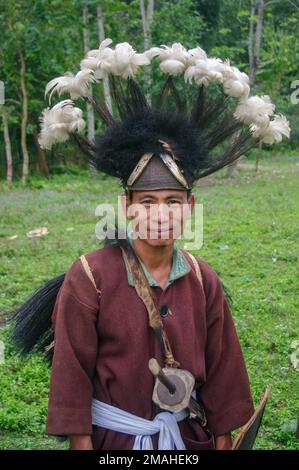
251 226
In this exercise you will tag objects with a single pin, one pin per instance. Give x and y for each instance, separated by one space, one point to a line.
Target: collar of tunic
180 267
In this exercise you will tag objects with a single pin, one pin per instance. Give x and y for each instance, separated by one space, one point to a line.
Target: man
103 343
141 300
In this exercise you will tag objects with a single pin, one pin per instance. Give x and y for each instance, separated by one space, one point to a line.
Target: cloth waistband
164 423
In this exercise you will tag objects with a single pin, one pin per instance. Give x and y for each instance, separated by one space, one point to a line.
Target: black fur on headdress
200 128
33 319
121 147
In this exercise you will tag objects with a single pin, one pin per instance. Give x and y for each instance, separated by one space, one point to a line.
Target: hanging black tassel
33 327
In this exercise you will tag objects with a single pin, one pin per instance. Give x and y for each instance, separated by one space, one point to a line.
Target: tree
26 65
24 122
101 33
90 112
147 15
255 36
9 170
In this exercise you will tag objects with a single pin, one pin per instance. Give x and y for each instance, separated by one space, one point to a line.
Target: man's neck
154 257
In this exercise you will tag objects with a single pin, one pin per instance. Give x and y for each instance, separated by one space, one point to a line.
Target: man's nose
161 213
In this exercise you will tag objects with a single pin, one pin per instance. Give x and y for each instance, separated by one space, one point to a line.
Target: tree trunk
258 156
9 167
254 47
90 112
42 161
24 118
251 42
259 31
232 170
147 19
101 33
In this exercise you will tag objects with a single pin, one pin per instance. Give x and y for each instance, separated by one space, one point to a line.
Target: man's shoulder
85 276
210 278
208 273
104 253
97 259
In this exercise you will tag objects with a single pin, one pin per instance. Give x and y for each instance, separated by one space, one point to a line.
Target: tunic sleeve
75 351
226 393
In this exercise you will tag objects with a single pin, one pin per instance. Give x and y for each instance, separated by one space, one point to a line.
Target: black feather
33 326
227 294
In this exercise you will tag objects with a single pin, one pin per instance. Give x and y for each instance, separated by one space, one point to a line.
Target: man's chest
124 330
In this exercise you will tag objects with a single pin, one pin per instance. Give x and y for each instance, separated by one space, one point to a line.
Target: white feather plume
255 110
204 71
235 82
274 131
152 52
100 60
58 122
196 54
77 85
173 60
127 60
123 61
172 67
91 60
94 56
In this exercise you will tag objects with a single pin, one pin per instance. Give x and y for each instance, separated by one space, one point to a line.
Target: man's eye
147 201
174 201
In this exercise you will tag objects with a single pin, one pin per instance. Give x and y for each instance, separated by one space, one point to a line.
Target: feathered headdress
199 128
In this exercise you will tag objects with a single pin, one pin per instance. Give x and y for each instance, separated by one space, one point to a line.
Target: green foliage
23 393
178 21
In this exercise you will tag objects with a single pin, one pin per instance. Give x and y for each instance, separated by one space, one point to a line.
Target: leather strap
196 267
143 290
90 276
89 272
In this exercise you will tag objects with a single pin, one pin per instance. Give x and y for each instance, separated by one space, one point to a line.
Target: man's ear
124 203
191 201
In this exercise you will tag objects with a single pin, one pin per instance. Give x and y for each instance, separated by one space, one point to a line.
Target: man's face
158 216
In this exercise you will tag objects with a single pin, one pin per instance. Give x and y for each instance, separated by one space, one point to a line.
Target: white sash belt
165 423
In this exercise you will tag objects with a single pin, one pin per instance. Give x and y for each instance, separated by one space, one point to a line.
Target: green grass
251 226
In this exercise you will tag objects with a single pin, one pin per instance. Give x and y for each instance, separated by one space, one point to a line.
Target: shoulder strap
143 290
90 275
89 272
196 266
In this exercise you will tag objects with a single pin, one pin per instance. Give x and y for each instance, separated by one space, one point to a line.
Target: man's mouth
160 232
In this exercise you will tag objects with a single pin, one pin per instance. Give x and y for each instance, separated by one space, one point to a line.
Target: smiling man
105 332
146 354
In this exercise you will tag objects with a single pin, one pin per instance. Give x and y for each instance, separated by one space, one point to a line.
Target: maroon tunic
103 345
